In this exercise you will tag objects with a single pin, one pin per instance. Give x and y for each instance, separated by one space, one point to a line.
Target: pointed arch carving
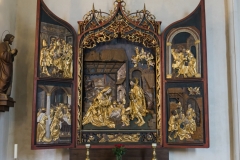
99 26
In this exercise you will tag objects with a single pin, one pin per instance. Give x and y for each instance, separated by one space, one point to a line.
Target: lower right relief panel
185 112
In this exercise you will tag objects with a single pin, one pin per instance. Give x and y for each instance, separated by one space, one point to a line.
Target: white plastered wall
7 22
223 72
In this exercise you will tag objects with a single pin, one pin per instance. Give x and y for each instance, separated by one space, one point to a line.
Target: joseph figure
6 64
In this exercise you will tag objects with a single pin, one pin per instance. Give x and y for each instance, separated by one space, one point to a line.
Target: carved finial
144 8
93 8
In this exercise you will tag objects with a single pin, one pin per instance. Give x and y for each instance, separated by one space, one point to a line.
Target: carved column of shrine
48 115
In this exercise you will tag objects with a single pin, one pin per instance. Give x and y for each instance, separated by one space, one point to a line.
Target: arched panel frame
139 27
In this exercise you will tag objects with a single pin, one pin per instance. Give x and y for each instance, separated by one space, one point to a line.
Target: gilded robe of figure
137 105
6 64
173 124
41 129
191 64
43 60
55 128
67 71
56 123
191 115
98 114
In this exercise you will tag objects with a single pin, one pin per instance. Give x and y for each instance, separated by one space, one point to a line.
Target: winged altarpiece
120 80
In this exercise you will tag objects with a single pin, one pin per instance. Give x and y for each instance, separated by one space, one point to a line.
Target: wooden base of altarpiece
5 102
107 154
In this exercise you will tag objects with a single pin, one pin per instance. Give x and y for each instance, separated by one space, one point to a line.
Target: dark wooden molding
6 102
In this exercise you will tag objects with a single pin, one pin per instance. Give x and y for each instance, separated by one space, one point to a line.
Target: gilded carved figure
56 123
180 59
125 115
41 126
118 111
98 114
43 121
191 116
53 121
172 124
114 111
67 115
41 129
140 56
191 64
6 64
67 61
137 105
44 56
181 125
56 60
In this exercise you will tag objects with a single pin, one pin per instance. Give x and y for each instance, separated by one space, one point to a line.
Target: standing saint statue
137 104
6 64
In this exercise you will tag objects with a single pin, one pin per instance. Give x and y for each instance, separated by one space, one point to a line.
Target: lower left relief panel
53 114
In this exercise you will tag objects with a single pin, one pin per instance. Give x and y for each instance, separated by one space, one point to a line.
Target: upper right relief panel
184 43
185 95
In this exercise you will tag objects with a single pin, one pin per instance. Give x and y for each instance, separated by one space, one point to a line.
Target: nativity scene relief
118 66
112 98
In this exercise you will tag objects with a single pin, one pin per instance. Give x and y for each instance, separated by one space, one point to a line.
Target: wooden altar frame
163 80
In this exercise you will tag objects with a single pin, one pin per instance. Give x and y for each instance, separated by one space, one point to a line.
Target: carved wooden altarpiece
120 80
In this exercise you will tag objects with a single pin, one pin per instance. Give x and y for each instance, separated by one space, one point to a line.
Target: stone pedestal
6 102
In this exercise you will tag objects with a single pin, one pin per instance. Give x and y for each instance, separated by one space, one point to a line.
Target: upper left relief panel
55 49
